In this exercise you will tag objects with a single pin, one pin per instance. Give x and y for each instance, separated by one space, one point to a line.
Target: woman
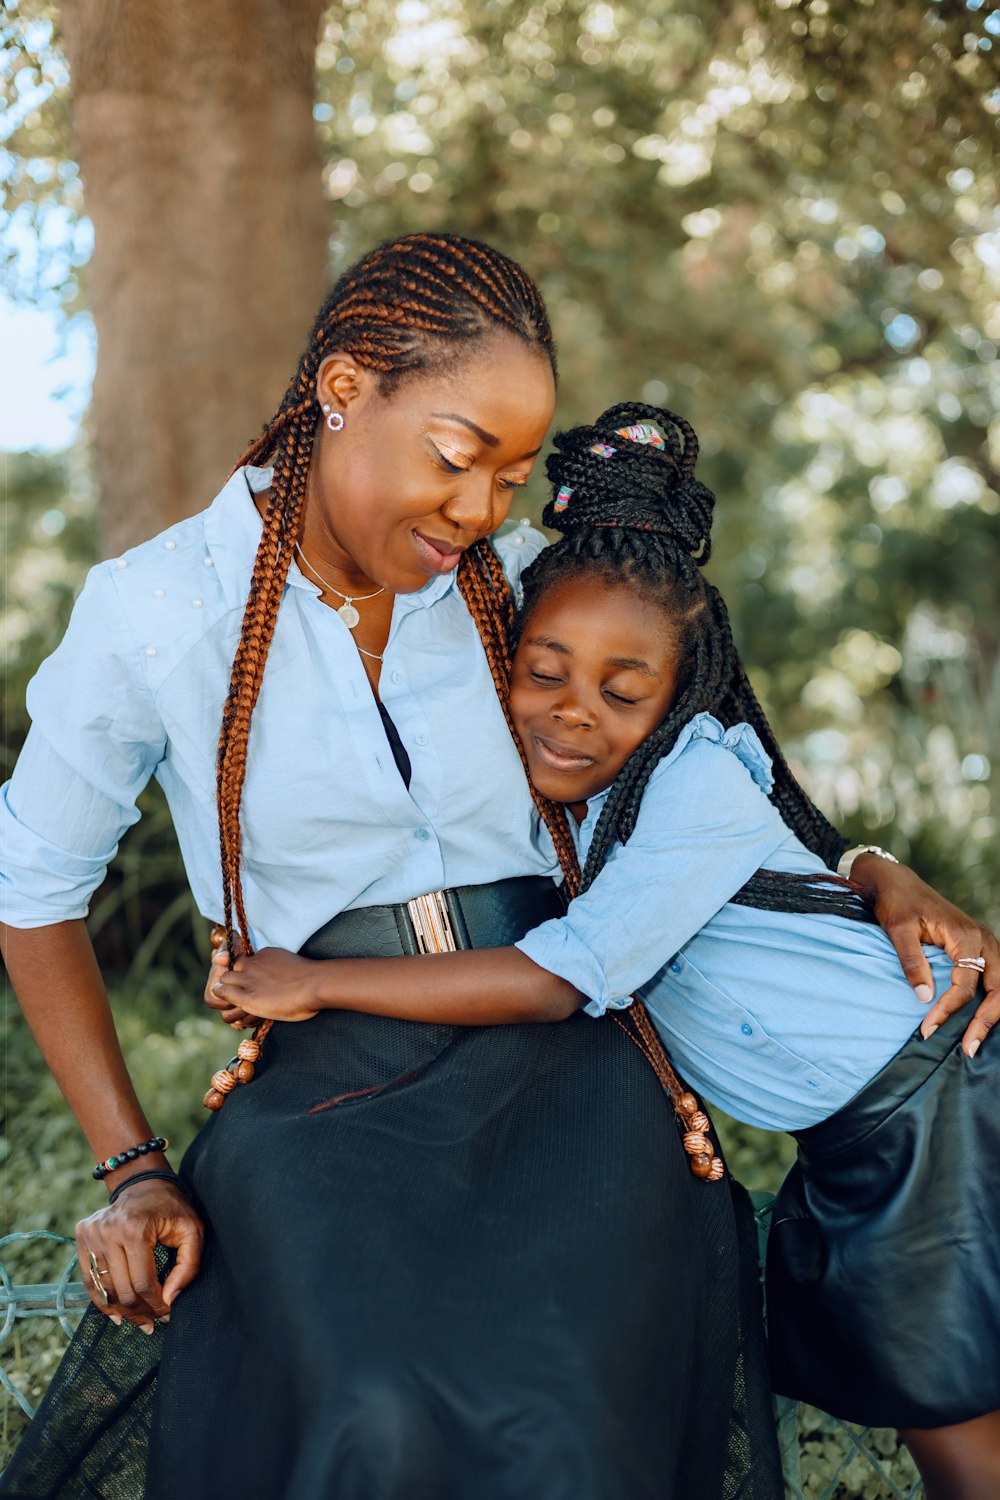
424 1270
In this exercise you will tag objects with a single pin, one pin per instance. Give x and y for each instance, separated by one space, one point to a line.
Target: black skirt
447 1263
883 1263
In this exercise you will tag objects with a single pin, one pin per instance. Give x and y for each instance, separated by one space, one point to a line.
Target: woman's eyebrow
489 438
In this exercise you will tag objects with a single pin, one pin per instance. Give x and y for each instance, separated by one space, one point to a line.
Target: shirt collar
232 535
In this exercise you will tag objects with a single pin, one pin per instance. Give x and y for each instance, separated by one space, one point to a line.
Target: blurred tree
196 141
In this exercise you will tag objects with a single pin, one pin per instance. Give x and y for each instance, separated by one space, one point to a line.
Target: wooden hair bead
717 1170
687 1104
701 1165
223 1081
213 1099
217 937
243 1072
700 1121
248 1050
695 1143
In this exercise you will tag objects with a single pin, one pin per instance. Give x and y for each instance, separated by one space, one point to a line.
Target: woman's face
595 673
418 475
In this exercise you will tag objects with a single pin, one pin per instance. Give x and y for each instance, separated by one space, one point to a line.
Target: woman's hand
271 985
122 1237
911 913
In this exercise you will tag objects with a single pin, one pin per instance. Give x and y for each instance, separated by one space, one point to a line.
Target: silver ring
979 964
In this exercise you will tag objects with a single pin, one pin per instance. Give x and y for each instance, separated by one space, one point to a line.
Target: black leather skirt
442 1263
883 1264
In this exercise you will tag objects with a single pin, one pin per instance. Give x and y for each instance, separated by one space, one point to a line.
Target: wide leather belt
466 916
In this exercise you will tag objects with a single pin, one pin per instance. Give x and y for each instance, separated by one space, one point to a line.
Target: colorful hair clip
642 432
605 450
562 498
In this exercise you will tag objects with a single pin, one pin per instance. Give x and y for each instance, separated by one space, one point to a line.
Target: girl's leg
960 1462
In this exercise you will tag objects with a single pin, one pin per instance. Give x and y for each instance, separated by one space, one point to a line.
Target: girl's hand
272 984
911 913
122 1237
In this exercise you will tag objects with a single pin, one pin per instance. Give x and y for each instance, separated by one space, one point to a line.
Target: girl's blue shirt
136 690
776 1017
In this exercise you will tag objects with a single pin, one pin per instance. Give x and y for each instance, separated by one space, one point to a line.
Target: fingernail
924 993
116 1320
928 1033
146 1327
974 1047
217 987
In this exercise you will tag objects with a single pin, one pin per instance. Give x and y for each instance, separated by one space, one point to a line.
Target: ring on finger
979 964
96 1272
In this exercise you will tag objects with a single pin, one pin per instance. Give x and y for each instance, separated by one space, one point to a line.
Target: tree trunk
201 169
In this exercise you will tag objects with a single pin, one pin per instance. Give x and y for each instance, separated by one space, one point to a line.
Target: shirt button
159 593
675 967
517 539
150 650
421 834
170 546
397 676
208 563
121 562
422 739
746 1030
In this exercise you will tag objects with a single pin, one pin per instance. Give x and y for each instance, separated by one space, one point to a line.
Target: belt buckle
431 923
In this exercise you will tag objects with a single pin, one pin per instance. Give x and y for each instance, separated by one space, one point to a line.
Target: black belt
470 916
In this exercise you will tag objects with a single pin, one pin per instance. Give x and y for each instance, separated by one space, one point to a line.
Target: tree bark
201 170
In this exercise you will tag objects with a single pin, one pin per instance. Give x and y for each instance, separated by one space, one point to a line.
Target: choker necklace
347 612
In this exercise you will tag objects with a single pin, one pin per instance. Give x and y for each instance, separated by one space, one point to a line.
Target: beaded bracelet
144 1177
158 1143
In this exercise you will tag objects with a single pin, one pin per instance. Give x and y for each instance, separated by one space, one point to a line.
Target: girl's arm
57 981
477 987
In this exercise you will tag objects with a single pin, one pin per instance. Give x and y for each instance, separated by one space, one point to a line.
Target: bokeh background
778 218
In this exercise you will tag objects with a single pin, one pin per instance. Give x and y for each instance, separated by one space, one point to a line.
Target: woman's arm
911 913
55 976
477 987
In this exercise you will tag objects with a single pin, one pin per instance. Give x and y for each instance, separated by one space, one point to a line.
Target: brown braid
487 594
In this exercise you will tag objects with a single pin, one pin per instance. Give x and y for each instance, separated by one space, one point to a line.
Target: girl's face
416 476
594 674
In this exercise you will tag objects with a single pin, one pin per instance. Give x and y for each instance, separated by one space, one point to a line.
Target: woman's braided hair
631 510
402 310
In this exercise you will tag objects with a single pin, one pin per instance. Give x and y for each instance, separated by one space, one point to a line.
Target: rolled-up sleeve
94 742
704 827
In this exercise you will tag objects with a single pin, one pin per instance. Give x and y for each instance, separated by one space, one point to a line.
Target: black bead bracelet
158 1143
144 1177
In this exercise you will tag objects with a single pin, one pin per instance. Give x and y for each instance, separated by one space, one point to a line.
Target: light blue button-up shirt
136 690
776 1017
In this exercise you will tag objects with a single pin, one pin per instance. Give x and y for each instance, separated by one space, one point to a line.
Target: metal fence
823 1459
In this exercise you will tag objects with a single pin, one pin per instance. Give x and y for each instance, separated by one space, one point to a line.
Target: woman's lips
559 757
436 556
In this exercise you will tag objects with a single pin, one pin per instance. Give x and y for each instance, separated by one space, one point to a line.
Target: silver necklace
347 612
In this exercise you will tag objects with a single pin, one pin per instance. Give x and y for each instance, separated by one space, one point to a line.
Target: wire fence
823 1459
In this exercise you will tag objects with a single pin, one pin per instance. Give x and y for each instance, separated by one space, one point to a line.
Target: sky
46 371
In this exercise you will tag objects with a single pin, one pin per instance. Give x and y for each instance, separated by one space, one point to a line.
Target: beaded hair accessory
639 432
562 498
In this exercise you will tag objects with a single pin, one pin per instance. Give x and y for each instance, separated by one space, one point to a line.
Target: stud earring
334 419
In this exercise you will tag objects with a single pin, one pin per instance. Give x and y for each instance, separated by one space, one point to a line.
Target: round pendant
349 615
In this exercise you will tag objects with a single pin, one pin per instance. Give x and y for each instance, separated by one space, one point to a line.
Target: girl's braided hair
631 510
403 310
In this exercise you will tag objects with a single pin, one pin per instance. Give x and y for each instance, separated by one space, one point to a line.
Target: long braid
406 308
487 594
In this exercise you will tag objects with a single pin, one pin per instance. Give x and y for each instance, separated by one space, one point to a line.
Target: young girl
706 892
